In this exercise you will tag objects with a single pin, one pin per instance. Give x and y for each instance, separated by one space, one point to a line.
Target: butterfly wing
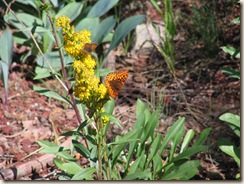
89 47
115 81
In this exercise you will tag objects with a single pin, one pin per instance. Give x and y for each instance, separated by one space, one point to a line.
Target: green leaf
54 60
71 10
173 131
72 167
183 172
231 72
65 155
154 3
155 147
150 126
84 174
6 45
189 152
123 29
187 139
157 164
59 163
29 20
101 7
81 149
231 50
229 148
104 28
42 73
175 141
91 140
88 23
236 20
47 144
4 71
50 148
109 106
28 2
136 164
202 137
50 94
144 175
233 121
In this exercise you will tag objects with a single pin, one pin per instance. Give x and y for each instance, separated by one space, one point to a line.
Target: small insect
89 48
115 81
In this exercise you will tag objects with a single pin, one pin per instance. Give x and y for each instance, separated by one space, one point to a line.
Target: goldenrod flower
88 87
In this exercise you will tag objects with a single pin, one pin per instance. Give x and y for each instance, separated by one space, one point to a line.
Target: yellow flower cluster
74 41
88 87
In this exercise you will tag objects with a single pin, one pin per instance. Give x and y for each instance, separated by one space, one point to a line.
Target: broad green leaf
88 23
84 174
150 126
184 171
233 121
124 28
109 106
72 167
186 154
135 166
101 7
80 148
139 175
231 50
202 137
155 147
71 10
231 72
29 20
173 131
54 60
65 155
50 94
229 148
4 71
38 29
59 163
27 2
140 107
140 116
104 28
187 139
236 20
42 73
47 144
157 164
6 45
175 141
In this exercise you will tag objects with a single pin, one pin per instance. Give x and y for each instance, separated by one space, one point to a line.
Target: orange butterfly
89 48
114 82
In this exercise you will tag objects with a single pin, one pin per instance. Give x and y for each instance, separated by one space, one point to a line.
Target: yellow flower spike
88 87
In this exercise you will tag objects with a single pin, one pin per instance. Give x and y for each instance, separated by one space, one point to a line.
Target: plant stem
99 148
64 70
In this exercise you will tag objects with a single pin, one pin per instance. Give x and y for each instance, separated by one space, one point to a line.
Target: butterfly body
89 48
115 81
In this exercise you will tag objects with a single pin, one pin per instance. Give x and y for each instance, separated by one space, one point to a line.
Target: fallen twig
26 168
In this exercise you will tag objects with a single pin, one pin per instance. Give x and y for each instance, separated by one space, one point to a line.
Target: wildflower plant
88 87
138 153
